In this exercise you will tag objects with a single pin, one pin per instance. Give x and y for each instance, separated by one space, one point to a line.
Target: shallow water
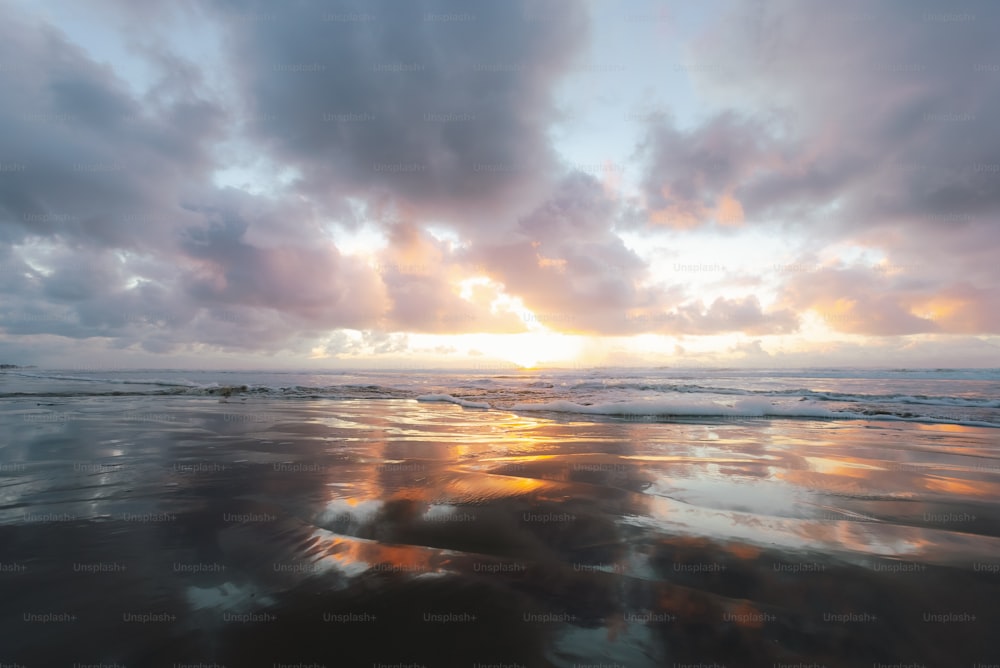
950 396
174 530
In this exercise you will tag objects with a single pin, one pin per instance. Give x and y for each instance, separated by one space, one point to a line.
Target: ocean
500 517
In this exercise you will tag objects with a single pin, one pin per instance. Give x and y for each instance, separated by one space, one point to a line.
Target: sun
529 349
525 362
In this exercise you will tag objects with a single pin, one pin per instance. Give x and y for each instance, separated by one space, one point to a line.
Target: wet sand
178 531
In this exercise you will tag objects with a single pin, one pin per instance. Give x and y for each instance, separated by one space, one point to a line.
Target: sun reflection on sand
629 533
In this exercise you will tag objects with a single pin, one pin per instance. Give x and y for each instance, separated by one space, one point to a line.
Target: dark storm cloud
80 157
93 183
443 105
884 108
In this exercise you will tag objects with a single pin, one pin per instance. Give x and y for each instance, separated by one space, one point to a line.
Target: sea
500 517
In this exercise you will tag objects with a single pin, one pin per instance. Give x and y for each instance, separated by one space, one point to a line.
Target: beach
187 529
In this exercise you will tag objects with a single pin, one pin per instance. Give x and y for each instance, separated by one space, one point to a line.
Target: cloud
439 105
567 265
895 129
727 315
887 145
422 276
430 125
751 350
884 303
576 274
315 283
84 160
691 177
160 254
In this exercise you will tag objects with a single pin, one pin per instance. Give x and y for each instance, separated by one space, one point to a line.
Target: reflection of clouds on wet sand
608 541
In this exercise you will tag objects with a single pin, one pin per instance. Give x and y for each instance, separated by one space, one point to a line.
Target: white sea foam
747 409
178 382
454 400
959 396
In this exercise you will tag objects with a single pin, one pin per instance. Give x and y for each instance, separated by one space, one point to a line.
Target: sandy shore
162 531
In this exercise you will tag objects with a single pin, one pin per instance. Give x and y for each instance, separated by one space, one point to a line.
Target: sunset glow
513 185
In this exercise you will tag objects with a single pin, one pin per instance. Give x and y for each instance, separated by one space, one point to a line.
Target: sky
244 184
